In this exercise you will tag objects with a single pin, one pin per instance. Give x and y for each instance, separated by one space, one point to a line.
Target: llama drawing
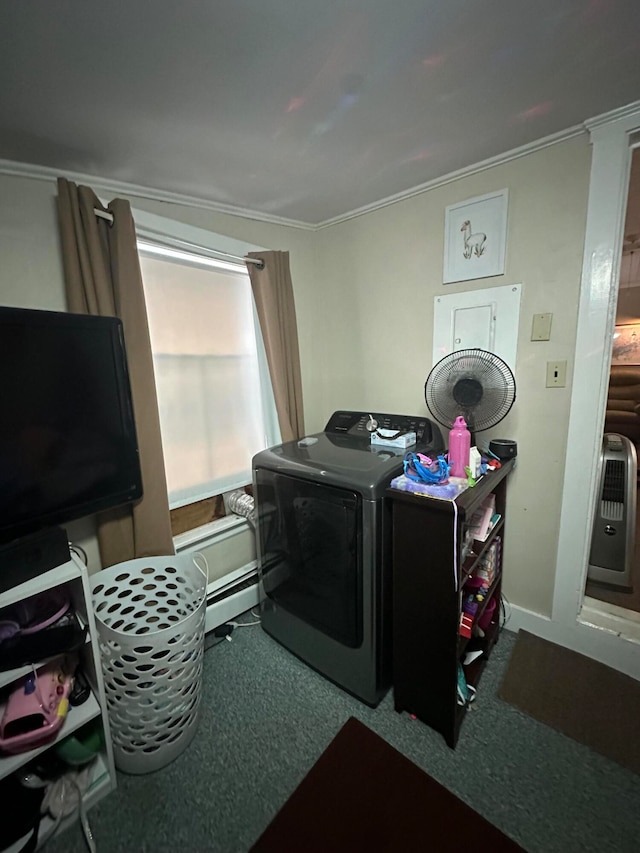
473 243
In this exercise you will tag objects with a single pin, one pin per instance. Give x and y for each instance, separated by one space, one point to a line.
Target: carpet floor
267 718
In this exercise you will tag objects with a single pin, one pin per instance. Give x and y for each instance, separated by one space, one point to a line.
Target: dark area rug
582 698
364 795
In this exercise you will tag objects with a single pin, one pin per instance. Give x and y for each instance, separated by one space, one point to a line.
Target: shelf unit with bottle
433 558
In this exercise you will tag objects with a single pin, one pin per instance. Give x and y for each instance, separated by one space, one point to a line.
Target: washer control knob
372 424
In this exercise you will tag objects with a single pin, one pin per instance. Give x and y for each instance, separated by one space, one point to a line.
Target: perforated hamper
150 616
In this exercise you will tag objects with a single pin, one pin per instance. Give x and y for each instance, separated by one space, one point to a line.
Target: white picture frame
475 237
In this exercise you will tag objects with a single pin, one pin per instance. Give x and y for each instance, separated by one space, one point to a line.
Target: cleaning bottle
459 446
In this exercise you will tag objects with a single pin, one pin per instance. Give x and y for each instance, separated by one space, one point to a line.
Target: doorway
622 414
578 621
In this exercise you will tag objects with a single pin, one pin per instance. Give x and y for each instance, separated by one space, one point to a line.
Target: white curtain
213 412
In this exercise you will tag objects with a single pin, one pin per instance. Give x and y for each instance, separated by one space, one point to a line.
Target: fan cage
473 383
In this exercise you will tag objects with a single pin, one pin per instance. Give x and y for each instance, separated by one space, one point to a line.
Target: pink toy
37 707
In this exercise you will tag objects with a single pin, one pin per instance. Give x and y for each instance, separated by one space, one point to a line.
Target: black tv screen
68 444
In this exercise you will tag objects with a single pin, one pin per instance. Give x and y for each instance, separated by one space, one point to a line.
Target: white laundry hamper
150 617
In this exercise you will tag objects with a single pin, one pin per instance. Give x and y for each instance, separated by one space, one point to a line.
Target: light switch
541 327
556 374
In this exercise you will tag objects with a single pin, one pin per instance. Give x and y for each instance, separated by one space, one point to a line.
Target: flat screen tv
68 444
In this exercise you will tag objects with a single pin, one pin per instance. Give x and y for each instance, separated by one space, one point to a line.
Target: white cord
84 822
36 687
244 624
80 552
204 571
507 609
64 797
455 545
455 539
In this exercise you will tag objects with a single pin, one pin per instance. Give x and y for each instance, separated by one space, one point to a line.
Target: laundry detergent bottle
459 447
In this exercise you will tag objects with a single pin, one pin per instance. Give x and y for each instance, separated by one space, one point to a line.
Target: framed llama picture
475 237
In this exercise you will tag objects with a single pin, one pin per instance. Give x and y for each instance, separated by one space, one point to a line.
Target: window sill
208 534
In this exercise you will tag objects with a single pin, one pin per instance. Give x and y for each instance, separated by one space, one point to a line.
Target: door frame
612 137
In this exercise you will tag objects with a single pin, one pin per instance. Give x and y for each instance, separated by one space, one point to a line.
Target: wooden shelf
478 550
493 590
428 576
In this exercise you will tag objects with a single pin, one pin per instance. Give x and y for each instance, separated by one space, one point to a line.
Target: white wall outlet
556 374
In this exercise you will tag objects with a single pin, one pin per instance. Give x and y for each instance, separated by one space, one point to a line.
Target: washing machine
323 533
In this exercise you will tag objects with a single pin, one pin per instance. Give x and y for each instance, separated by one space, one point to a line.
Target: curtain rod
103 214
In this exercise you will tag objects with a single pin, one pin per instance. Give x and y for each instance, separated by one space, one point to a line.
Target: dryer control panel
364 423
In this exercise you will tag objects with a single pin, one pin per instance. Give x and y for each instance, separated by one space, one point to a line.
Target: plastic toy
423 469
36 708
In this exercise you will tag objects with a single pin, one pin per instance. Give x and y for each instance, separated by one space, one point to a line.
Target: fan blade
474 383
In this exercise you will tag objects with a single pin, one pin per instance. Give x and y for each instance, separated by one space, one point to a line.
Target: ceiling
302 109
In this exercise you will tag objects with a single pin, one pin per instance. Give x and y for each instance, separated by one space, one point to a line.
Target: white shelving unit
73 575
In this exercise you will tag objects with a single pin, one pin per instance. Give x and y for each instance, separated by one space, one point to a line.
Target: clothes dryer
324 545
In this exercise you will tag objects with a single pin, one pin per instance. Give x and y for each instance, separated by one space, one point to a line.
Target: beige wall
379 274
364 294
31 276
31 267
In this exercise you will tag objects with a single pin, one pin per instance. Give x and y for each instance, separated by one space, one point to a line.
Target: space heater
614 526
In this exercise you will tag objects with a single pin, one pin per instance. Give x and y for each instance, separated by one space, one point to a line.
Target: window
214 392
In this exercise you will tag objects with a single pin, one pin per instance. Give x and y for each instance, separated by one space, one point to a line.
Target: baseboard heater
614 525
231 595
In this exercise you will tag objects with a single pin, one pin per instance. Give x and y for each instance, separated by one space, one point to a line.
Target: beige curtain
102 276
273 295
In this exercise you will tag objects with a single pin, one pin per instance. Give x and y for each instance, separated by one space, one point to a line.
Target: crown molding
490 163
107 185
26 170
630 110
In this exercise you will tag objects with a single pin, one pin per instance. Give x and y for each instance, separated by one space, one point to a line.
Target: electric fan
473 383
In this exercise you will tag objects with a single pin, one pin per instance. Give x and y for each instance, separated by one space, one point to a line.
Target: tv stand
25 558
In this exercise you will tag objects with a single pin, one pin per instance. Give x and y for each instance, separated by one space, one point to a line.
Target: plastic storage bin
150 616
